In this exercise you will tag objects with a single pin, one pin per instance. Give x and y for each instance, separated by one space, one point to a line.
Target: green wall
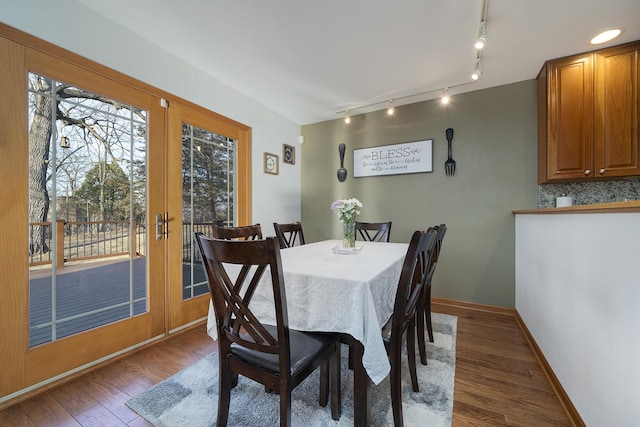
495 148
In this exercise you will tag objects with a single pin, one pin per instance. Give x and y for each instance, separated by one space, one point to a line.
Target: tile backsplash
588 193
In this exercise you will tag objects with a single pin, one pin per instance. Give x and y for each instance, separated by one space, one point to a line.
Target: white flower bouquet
347 209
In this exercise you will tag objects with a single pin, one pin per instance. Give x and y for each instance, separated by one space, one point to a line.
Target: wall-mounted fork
450 164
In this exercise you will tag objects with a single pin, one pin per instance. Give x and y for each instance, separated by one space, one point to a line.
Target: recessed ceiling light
605 36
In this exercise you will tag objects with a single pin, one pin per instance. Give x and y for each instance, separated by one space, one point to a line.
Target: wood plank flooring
498 380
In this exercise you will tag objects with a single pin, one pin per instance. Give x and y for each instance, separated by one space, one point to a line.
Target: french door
208 184
103 186
95 177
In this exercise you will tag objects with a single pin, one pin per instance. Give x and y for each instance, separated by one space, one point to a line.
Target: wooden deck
93 294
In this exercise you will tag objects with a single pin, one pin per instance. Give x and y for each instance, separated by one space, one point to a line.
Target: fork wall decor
450 164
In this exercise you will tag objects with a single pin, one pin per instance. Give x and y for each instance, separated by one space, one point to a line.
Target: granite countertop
615 207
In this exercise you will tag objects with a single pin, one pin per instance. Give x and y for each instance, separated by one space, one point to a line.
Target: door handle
159 226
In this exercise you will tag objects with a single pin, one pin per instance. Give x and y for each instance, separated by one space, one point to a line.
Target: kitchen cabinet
588 116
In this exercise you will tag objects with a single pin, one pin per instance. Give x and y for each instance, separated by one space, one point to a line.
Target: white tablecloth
331 292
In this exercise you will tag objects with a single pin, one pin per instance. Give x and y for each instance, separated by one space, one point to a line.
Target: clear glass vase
348 235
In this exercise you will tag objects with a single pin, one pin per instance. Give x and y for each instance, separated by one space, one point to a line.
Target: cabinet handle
587 172
602 171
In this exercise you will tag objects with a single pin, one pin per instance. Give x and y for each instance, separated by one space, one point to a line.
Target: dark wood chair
374 231
424 306
275 356
413 277
247 232
289 234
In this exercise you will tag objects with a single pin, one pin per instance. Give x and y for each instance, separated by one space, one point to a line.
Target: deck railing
205 227
81 240
88 239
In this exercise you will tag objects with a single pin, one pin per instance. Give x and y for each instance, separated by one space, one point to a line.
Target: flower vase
348 235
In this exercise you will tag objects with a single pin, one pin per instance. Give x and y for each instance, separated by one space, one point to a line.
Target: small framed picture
288 154
271 163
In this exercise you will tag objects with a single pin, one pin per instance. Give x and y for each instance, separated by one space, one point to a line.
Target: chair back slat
440 232
374 231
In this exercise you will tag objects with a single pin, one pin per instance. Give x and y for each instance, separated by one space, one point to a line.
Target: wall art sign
395 159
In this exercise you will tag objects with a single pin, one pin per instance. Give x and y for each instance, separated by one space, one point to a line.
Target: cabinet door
616 119
570 118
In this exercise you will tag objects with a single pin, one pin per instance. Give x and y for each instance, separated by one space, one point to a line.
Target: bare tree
39 147
90 124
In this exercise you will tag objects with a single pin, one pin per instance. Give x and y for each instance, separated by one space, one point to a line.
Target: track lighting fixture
390 109
477 69
445 96
482 32
482 36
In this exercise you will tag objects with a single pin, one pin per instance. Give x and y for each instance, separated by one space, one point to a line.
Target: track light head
482 36
445 96
390 108
477 71
347 117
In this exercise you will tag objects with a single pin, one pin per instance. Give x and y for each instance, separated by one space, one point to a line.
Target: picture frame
270 163
288 154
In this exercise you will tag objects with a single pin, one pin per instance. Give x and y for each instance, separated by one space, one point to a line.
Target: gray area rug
189 398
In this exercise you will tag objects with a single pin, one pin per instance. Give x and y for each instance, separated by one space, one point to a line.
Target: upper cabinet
588 116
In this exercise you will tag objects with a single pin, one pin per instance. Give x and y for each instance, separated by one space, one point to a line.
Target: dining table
329 289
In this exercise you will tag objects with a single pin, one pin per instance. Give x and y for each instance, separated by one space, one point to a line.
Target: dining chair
289 234
401 327
246 232
273 355
374 231
424 306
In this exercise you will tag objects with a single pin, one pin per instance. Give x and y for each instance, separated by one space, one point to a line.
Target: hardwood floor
498 380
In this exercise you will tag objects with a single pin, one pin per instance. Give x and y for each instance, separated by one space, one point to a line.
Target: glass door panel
208 164
208 178
87 210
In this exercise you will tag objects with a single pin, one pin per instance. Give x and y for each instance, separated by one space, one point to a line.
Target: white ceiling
308 60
